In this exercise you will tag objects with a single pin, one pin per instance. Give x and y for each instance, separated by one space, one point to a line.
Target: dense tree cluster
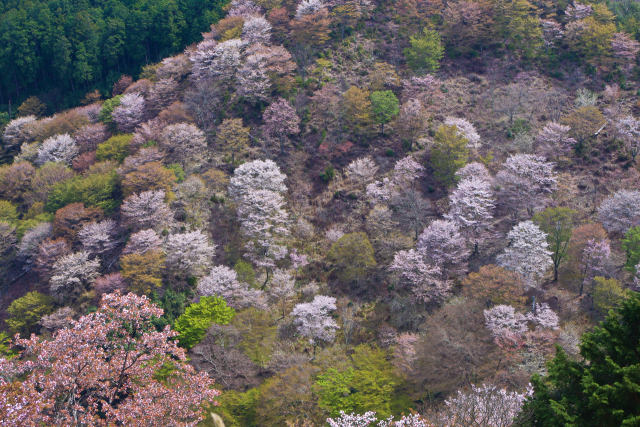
345 212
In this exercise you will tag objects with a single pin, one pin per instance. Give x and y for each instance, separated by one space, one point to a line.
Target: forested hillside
344 213
58 49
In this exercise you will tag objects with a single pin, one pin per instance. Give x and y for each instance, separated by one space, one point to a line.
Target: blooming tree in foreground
111 367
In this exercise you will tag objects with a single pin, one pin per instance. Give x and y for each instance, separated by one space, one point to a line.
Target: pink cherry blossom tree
280 121
103 369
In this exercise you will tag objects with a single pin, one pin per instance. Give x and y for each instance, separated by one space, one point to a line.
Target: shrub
99 190
26 311
115 148
198 317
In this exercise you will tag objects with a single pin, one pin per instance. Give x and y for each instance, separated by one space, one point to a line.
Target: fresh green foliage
26 311
115 148
98 190
370 384
448 154
107 109
425 52
178 171
351 256
199 316
245 272
384 106
8 211
172 303
607 294
557 223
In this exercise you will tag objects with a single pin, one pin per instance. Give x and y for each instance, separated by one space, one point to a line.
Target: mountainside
410 213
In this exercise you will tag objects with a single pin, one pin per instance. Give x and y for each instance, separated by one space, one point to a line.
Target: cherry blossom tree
30 242
594 260
142 241
353 420
527 253
525 181
406 171
551 32
89 136
184 143
252 81
475 170
361 171
506 325
554 139
313 319
625 47
243 8
466 129
628 129
412 120
103 369
620 211
217 61
61 318
163 93
49 251
18 131
223 282
189 254
544 317
257 189
129 113
256 29
59 148
282 288
256 175
370 419
471 206
423 279
578 11
442 245
280 121
309 7
72 274
486 405
145 210
98 238
110 283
